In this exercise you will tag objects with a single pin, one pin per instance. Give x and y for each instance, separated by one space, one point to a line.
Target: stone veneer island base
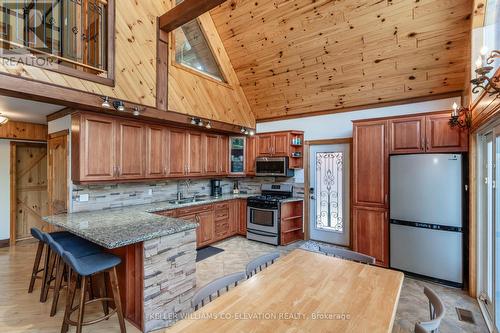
157 279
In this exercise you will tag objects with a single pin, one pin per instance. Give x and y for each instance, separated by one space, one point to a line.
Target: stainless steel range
263 213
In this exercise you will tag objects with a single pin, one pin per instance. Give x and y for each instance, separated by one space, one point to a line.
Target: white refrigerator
426 218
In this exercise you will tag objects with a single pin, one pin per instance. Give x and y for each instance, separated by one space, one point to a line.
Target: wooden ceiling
309 56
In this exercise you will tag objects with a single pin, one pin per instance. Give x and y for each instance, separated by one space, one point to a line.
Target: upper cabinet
94 155
223 160
370 164
130 145
442 138
426 133
195 163
177 154
211 149
157 139
250 155
237 155
289 144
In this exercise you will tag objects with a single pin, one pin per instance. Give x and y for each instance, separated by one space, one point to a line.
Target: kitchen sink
187 200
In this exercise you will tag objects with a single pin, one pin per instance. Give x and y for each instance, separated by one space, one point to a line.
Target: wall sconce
3 120
105 103
119 105
483 68
460 117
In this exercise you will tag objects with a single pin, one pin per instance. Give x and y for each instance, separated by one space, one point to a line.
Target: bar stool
78 247
38 234
82 269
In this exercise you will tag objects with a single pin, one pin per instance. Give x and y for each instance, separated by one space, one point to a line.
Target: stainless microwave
273 166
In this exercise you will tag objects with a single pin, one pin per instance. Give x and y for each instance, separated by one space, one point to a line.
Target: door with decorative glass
329 204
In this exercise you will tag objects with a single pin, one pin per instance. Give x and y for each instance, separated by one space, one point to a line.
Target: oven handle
266 210
261 233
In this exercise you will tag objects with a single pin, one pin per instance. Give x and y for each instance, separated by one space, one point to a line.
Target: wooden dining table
304 291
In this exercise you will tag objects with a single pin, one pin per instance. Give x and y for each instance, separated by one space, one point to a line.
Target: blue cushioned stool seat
91 264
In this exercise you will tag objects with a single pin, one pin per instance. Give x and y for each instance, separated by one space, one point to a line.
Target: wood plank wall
17 130
135 68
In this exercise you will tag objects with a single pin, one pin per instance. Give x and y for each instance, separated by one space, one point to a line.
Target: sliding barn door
30 188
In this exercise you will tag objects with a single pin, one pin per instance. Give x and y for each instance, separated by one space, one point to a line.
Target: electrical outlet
150 192
83 197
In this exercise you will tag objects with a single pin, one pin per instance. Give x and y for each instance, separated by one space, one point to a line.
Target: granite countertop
119 227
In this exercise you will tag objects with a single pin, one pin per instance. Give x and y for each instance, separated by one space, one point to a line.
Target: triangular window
193 50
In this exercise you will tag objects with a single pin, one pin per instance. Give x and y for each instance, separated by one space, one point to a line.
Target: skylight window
192 50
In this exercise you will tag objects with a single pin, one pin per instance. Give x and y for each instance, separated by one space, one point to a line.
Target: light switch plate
83 197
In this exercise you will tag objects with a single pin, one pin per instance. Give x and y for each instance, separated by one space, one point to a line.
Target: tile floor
412 307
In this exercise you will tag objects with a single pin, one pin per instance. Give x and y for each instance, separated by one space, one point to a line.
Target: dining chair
347 254
258 263
436 311
215 287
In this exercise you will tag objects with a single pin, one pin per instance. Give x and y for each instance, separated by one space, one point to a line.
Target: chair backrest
436 311
215 287
72 261
347 254
37 233
54 245
263 261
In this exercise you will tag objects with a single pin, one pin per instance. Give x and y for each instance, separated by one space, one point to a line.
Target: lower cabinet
371 233
216 221
242 220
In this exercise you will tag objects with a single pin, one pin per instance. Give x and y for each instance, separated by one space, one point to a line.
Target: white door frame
307 182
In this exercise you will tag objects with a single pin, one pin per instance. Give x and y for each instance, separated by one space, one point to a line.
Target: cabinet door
131 150
156 142
242 219
211 154
233 217
223 155
371 233
281 144
206 229
441 138
264 145
370 164
195 154
250 154
177 153
97 145
407 135
237 155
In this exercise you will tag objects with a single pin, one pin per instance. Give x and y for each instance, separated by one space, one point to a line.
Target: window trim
109 79
192 70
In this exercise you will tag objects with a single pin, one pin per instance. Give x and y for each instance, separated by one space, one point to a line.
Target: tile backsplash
120 195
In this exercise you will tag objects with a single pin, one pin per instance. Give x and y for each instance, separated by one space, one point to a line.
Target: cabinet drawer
193 210
222 205
222 214
221 228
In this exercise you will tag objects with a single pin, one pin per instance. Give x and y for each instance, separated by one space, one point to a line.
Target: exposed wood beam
14 86
186 11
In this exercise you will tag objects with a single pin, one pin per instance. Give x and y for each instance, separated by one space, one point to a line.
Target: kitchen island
157 275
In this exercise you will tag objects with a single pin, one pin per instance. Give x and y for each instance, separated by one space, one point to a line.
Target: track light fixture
251 132
119 105
3 119
135 111
193 121
105 103
243 130
200 123
209 125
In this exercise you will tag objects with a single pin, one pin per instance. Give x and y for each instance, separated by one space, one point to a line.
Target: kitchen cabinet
241 217
429 133
130 150
370 164
250 155
223 155
156 151
371 233
206 228
93 148
280 144
211 158
292 217
265 145
177 153
442 138
407 135
195 161
237 155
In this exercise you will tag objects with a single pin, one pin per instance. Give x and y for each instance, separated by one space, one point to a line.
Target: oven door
261 219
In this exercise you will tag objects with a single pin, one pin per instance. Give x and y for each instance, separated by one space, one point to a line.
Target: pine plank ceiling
308 56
